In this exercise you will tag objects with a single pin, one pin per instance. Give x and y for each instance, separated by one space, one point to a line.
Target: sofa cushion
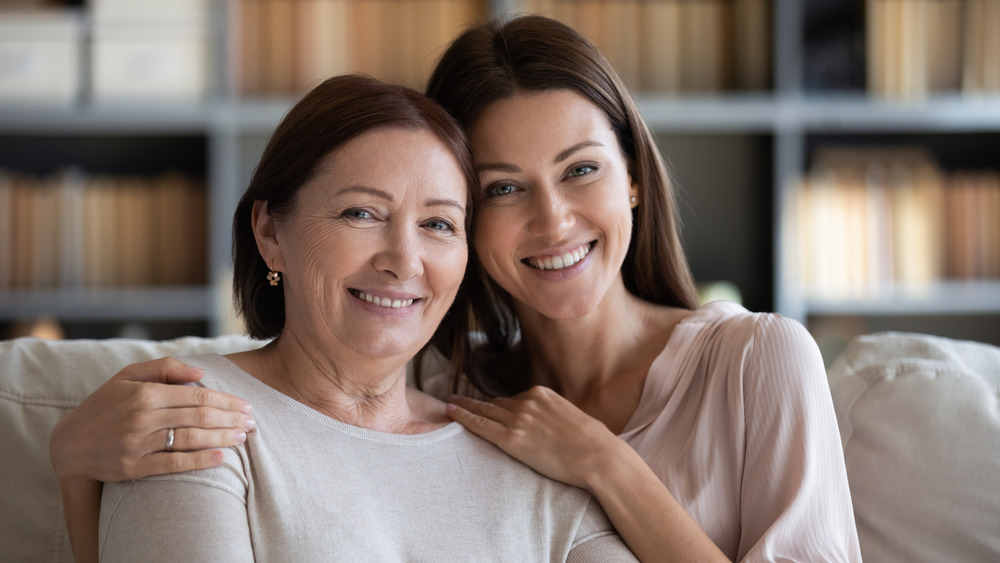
920 421
41 381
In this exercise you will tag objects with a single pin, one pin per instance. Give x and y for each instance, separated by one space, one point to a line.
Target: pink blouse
737 420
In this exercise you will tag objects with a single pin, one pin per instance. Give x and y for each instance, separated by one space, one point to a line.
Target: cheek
449 267
490 226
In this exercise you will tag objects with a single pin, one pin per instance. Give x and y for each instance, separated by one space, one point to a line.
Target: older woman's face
374 251
555 221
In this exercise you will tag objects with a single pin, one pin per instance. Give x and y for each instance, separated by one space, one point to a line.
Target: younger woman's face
554 221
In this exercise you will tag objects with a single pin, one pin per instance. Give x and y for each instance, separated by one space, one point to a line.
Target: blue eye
439 225
500 189
357 213
581 170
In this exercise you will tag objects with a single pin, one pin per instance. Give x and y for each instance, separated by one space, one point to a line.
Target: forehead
538 123
401 161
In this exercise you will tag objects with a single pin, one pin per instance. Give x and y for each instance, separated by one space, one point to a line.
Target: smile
561 261
382 301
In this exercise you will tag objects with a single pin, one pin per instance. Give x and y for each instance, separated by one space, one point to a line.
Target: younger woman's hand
120 431
543 430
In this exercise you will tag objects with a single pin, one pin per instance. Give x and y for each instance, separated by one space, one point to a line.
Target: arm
596 541
551 435
795 494
165 519
119 432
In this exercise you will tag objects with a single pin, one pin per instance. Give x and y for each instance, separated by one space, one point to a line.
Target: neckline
680 339
447 431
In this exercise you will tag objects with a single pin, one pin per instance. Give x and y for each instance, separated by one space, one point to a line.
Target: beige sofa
920 420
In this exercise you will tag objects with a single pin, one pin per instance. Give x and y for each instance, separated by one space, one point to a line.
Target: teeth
382 301
560 262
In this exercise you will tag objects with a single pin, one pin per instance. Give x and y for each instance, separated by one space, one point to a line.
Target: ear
266 232
633 192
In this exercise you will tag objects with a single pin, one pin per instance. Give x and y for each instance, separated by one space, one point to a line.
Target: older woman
349 248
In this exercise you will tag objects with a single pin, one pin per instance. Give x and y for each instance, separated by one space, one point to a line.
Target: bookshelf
738 148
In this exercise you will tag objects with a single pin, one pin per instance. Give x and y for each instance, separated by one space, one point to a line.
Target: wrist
61 455
608 466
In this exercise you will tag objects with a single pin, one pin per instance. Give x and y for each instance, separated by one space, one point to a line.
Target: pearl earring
632 200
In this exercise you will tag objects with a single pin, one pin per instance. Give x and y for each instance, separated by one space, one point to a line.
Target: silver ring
170 439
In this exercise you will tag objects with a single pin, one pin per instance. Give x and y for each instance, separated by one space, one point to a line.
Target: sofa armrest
40 382
920 422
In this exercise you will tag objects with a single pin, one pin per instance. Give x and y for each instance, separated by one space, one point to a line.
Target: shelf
751 113
946 298
722 113
856 113
174 303
864 114
130 119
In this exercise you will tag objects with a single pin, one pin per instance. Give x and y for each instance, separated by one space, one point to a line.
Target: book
250 45
6 230
71 187
278 51
367 37
944 45
661 46
973 57
621 27
752 43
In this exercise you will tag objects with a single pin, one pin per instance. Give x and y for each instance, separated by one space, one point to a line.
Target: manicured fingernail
239 436
250 424
247 408
452 397
450 407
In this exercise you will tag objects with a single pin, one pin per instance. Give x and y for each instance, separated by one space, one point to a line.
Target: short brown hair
492 61
333 113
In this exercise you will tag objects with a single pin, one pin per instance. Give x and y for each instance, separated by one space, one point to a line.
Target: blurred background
836 160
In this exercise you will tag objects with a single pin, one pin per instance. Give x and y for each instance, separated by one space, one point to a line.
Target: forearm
82 507
647 516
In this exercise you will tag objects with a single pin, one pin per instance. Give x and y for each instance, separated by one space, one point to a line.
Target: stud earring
273 277
632 199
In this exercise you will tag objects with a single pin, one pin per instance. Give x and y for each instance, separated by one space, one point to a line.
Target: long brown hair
333 113
492 61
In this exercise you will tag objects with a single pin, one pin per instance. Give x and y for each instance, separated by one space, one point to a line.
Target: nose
552 216
401 256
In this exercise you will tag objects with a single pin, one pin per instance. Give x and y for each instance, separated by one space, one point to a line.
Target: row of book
920 47
76 231
671 46
866 223
288 46
675 46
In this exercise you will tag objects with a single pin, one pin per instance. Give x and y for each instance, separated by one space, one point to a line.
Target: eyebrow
381 194
445 202
569 152
366 190
563 155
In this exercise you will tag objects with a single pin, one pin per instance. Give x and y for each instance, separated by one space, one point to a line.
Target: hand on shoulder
121 431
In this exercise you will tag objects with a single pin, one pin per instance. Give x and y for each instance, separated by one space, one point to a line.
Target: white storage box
149 63
40 57
160 12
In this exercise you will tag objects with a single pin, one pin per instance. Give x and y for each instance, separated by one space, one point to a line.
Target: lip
564 272
385 301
